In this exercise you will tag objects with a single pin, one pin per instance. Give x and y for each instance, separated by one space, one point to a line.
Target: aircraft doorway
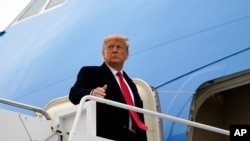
220 103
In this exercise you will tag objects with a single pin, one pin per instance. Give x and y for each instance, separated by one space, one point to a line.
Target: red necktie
128 99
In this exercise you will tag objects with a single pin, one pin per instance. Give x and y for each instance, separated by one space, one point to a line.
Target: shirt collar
113 70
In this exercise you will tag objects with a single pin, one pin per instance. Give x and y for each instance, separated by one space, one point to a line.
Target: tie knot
119 74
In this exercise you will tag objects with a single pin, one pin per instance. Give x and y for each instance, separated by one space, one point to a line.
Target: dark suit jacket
112 122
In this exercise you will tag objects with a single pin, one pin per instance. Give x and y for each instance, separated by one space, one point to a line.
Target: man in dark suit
102 81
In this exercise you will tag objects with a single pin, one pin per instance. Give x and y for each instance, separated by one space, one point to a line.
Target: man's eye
110 47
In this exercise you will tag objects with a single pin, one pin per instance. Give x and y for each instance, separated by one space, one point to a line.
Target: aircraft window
18 10
9 11
54 3
36 7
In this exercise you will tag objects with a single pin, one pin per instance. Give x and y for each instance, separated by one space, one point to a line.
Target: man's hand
100 91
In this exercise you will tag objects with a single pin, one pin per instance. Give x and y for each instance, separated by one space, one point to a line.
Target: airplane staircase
63 121
73 124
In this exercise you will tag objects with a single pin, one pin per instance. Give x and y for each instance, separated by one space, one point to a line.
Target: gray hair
116 36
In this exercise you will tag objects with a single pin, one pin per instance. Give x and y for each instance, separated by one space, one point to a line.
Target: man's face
115 52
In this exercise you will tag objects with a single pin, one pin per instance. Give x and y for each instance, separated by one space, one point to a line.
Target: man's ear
102 52
127 55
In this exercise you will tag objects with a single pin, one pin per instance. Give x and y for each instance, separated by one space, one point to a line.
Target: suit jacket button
125 126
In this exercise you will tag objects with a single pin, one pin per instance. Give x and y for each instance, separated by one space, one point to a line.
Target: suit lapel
133 88
113 83
110 78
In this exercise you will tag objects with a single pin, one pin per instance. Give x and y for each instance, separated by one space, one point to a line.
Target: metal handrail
144 111
25 106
